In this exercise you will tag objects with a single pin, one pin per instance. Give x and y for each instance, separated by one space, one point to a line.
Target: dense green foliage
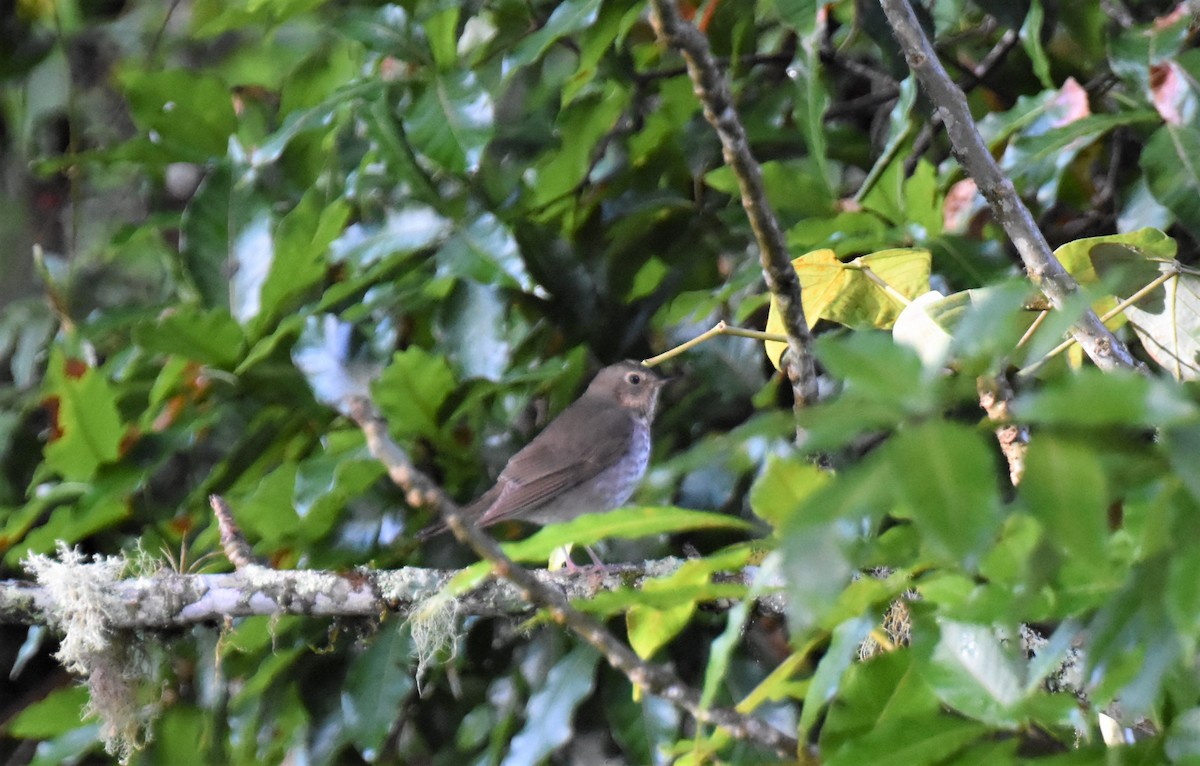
498 197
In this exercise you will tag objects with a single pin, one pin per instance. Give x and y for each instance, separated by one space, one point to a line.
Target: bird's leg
595 559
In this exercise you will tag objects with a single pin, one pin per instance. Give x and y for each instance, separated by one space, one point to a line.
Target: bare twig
233 542
1043 268
713 92
995 396
720 328
419 490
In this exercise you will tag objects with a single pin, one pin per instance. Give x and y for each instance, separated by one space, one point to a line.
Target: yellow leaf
844 293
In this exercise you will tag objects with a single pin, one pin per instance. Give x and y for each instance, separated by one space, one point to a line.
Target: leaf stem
720 328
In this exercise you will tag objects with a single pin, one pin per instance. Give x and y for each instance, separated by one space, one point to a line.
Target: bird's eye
633 378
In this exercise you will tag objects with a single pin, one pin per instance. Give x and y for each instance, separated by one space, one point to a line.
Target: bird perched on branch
589 459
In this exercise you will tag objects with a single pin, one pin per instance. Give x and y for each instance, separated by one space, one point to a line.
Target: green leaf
485 251
721 651
1112 251
301 242
877 370
1133 640
209 337
552 707
812 99
780 490
886 692
651 629
664 593
843 650
847 233
1182 743
947 478
1170 163
815 545
441 30
477 330
56 713
266 513
923 203
1065 488
614 20
326 483
917 741
189 112
618 601
1133 52
1031 39
411 391
251 257
626 523
1093 398
581 126
87 429
452 121
642 726
100 509
973 673
1166 319
1039 157
324 115
204 234
180 737
795 187
568 17
377 683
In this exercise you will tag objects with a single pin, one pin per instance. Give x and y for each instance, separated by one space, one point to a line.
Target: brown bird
588 460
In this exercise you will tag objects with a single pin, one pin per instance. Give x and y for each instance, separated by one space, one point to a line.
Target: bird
589 459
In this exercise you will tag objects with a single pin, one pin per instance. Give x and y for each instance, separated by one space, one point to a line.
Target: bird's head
632 384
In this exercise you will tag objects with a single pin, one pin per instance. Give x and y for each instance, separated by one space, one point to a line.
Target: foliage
498 196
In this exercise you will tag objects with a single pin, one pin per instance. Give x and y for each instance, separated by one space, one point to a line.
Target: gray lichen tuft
434 626
115 667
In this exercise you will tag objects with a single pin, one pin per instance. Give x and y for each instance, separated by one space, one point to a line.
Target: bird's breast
610 488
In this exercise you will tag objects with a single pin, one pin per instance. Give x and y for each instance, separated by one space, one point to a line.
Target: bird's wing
545 468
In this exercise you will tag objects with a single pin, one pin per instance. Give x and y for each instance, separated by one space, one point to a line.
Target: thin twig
995 397
1043 268
720 328
714 94
420 491
1117 309
1038 321
233 542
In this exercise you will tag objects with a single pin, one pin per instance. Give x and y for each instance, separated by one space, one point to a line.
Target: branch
535 590
713 92
1043 268
419 490
170 600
